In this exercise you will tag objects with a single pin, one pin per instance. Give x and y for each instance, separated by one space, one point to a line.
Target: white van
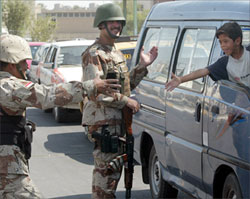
196 138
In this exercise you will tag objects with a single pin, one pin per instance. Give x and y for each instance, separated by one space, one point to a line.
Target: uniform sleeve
136 75
218 70
27 94
92 66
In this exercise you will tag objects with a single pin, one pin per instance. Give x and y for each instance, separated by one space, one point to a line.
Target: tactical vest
14 130
123 78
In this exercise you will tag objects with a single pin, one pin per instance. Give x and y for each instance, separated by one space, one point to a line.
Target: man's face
228 45
23 66
115 27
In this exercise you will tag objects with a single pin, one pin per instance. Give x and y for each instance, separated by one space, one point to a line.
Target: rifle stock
129 166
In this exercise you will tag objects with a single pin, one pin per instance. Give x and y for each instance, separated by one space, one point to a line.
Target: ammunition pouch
15 130
124 81
29 128
108 143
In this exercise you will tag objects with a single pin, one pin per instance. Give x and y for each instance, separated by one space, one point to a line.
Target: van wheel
49 110
231 187
60 114
158 187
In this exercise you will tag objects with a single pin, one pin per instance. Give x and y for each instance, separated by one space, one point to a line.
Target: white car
62 64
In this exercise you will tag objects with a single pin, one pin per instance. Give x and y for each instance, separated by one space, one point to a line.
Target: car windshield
71 55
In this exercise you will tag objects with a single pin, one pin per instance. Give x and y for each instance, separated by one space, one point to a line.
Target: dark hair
3 65
231 29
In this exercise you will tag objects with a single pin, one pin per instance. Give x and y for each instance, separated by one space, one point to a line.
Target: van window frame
178 46
172 53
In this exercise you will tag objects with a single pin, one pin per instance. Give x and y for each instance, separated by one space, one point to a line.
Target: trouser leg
104 183
14 186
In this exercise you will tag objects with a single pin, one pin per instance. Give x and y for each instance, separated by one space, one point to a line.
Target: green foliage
42 29
141 16
16 16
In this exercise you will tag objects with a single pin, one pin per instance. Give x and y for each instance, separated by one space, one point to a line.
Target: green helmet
108 12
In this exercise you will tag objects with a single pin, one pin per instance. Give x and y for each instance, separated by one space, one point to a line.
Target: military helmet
108 12
14 49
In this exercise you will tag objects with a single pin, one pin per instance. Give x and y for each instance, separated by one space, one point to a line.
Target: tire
48 110
60 114
158 187
231 187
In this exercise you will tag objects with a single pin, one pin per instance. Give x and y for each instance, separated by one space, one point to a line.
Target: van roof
201 10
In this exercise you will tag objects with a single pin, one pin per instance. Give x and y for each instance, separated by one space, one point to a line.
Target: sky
82 3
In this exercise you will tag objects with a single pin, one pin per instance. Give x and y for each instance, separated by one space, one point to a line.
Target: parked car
34 47
40 54
38 57
62 63
196 138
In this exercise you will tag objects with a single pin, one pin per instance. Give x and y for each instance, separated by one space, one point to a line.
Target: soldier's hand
147 58
133 104
107 86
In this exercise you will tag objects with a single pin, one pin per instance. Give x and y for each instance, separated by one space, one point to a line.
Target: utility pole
135 16
125 14
1 17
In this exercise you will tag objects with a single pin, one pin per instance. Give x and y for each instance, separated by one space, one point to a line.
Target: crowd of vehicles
196 138
58 62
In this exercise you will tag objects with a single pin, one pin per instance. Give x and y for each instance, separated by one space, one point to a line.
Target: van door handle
197 113
215 109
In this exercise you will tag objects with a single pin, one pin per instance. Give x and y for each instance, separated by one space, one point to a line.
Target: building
77 22
72 23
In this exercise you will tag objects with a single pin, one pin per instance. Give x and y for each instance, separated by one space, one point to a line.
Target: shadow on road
74 145
43 119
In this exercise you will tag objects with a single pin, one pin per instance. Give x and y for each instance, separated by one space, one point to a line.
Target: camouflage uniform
15 95
101 110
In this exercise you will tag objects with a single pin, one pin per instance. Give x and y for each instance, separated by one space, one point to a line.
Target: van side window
246 36
194 54
164 39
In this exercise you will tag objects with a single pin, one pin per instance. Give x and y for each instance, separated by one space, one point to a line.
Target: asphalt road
61 164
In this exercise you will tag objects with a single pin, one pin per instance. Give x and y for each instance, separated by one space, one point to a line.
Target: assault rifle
129 164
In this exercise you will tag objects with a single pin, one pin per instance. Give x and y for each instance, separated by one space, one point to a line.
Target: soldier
16 94
103 114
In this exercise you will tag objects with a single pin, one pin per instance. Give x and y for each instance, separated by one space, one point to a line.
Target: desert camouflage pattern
104 182
99 60
14 49
15 95
100 110
17 186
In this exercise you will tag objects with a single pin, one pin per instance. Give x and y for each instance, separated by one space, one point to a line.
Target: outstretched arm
147 58
176 81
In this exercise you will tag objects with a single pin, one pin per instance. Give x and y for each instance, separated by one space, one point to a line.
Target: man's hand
107 86
133 104
173 83
147 59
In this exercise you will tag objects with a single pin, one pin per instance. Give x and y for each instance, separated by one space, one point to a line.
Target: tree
16 16
42 29
141 16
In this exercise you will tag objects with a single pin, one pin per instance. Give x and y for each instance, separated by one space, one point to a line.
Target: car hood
70 73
